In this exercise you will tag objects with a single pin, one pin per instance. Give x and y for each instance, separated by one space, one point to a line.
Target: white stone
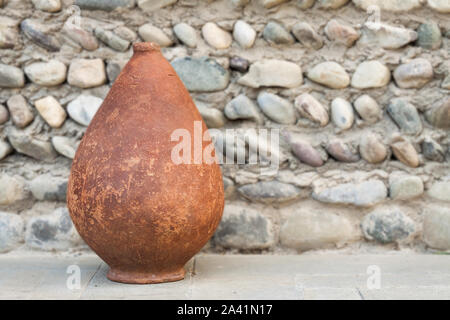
330 74
186 34
64 146
371 74
312 109
385 36
405 187
342 113
5 149
152 5
83 108
11 231
47 5
213 117
215 36
47 74
368 109
273 73
436 227
86 73
440 5
304 230
440 191
150 33
244 34
12 189
52 112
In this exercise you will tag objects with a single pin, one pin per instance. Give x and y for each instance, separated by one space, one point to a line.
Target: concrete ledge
314 276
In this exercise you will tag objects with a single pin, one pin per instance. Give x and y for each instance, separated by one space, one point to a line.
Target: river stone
342 151
80 36
368 109
269 192
213 117
405 187
364 194
86 73
305 4
51 232
150 33
64 146
371 74
4 114
49 188
240 3
11 231
372 149
12 189
21 114
404 151
201 74
113 69
405 115
243 228
152 5
440 5
26 143
5 149
107 5
436 227
272 3
386 36
331 4
312 109
429 36
414 74
277 34
306 153
51 111
330 74
242 108
273 73
341 33
307 36
390 5
9 32
47 5
244 34
440 191
38 34
306 230
186 34
51 73
387 225
125 33
239 64
440 116
111 39
215 36
342 113
83 108
276 108
432 150
11 77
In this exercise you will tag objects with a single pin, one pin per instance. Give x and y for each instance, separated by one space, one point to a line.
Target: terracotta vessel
143 214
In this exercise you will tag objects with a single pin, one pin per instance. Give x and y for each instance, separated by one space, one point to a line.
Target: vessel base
134 277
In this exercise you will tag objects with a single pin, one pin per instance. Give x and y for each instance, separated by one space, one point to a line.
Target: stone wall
363 106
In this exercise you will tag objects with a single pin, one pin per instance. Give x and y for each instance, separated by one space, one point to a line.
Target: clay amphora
143 214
